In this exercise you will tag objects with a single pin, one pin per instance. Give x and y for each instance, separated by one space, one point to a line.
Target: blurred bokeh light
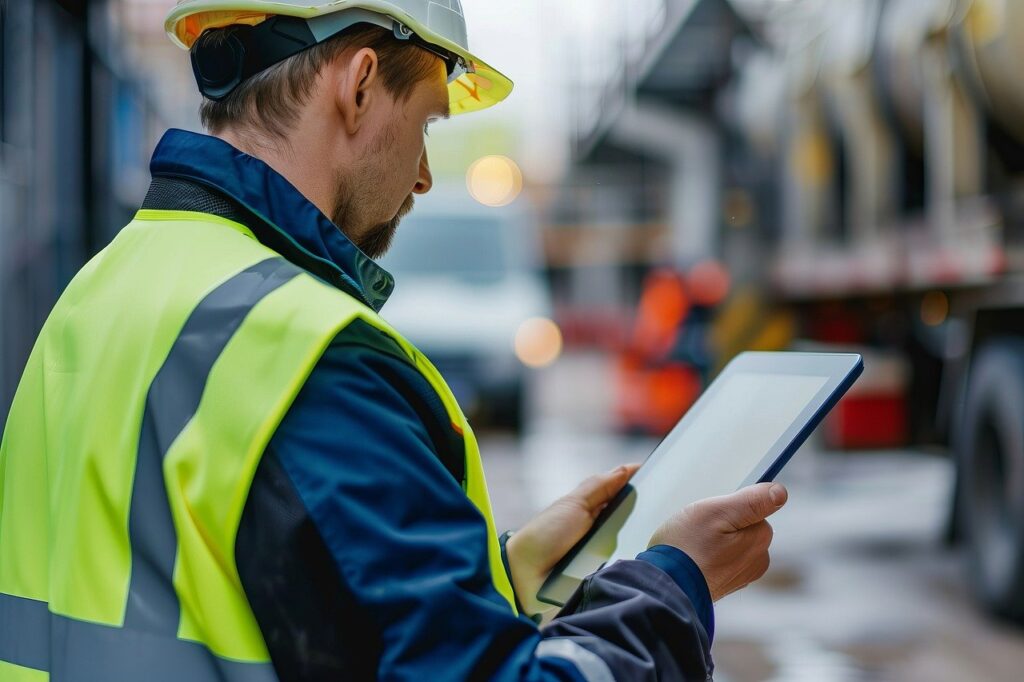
494 180
538 342
934 308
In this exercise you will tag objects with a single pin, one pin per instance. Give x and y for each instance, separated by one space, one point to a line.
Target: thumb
752 504
597 490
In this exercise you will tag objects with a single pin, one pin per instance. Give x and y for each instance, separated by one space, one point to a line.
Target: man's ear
355 87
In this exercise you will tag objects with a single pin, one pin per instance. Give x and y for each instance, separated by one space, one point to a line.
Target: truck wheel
991 477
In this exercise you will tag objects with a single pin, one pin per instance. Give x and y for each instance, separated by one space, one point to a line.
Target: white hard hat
437 25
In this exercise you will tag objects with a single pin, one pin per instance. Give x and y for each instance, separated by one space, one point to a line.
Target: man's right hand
727 537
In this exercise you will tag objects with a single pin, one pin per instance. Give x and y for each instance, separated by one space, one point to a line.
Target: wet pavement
861 586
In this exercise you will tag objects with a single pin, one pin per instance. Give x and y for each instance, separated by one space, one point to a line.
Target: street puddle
791 658
802 659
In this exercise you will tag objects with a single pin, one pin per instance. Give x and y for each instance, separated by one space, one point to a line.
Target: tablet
742 430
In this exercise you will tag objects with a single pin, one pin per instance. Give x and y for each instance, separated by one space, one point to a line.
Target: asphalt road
861 587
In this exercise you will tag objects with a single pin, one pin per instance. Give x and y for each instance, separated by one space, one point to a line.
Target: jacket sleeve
362 445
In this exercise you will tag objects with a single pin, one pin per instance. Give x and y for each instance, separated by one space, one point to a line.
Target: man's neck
305 171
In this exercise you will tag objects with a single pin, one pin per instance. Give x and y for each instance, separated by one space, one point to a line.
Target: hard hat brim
482 87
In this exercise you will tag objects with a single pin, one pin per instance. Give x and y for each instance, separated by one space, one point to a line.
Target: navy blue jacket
360 554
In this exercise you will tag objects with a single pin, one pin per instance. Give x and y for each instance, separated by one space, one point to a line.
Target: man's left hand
535 549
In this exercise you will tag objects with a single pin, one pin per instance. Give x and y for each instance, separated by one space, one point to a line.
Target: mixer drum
905 28
994 30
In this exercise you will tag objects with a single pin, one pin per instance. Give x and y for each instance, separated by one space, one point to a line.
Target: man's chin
378 238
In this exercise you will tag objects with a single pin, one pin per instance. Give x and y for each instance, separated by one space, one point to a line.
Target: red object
868 420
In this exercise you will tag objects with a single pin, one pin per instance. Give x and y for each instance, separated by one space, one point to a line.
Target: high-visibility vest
146 405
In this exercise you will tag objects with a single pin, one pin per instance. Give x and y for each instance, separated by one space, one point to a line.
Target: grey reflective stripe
591 666
24 632
172 400
90 652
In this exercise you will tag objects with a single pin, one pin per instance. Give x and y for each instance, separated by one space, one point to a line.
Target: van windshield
466 248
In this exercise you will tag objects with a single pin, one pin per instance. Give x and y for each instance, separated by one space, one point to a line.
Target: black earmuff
218 59
223 58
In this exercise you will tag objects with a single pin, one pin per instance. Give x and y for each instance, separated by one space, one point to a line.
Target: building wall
75 126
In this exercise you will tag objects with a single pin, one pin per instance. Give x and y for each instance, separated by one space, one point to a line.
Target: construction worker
222 464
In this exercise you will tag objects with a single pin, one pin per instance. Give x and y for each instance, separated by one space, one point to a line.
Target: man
221 464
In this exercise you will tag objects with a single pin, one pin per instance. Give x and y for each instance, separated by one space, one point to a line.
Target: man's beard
376 239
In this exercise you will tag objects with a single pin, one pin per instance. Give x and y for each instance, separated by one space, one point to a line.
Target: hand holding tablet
741 431
727 537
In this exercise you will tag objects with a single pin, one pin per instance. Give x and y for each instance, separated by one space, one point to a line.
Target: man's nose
425 180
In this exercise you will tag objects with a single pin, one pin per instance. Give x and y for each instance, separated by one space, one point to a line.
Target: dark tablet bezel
842 369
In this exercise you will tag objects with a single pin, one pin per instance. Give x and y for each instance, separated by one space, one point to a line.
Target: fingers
599 489
753 573
760 535
754 560
750 505
756 569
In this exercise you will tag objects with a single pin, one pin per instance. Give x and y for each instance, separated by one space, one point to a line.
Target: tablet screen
712 454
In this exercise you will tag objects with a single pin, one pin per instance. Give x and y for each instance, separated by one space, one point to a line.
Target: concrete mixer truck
880 145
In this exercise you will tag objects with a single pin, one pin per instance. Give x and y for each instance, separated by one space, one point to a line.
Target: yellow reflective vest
149 398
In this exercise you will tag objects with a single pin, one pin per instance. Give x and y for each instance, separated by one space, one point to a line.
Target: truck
859 165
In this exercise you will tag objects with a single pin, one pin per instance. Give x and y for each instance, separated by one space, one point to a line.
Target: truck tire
990 468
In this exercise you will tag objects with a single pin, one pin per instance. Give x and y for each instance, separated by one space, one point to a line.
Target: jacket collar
214 163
